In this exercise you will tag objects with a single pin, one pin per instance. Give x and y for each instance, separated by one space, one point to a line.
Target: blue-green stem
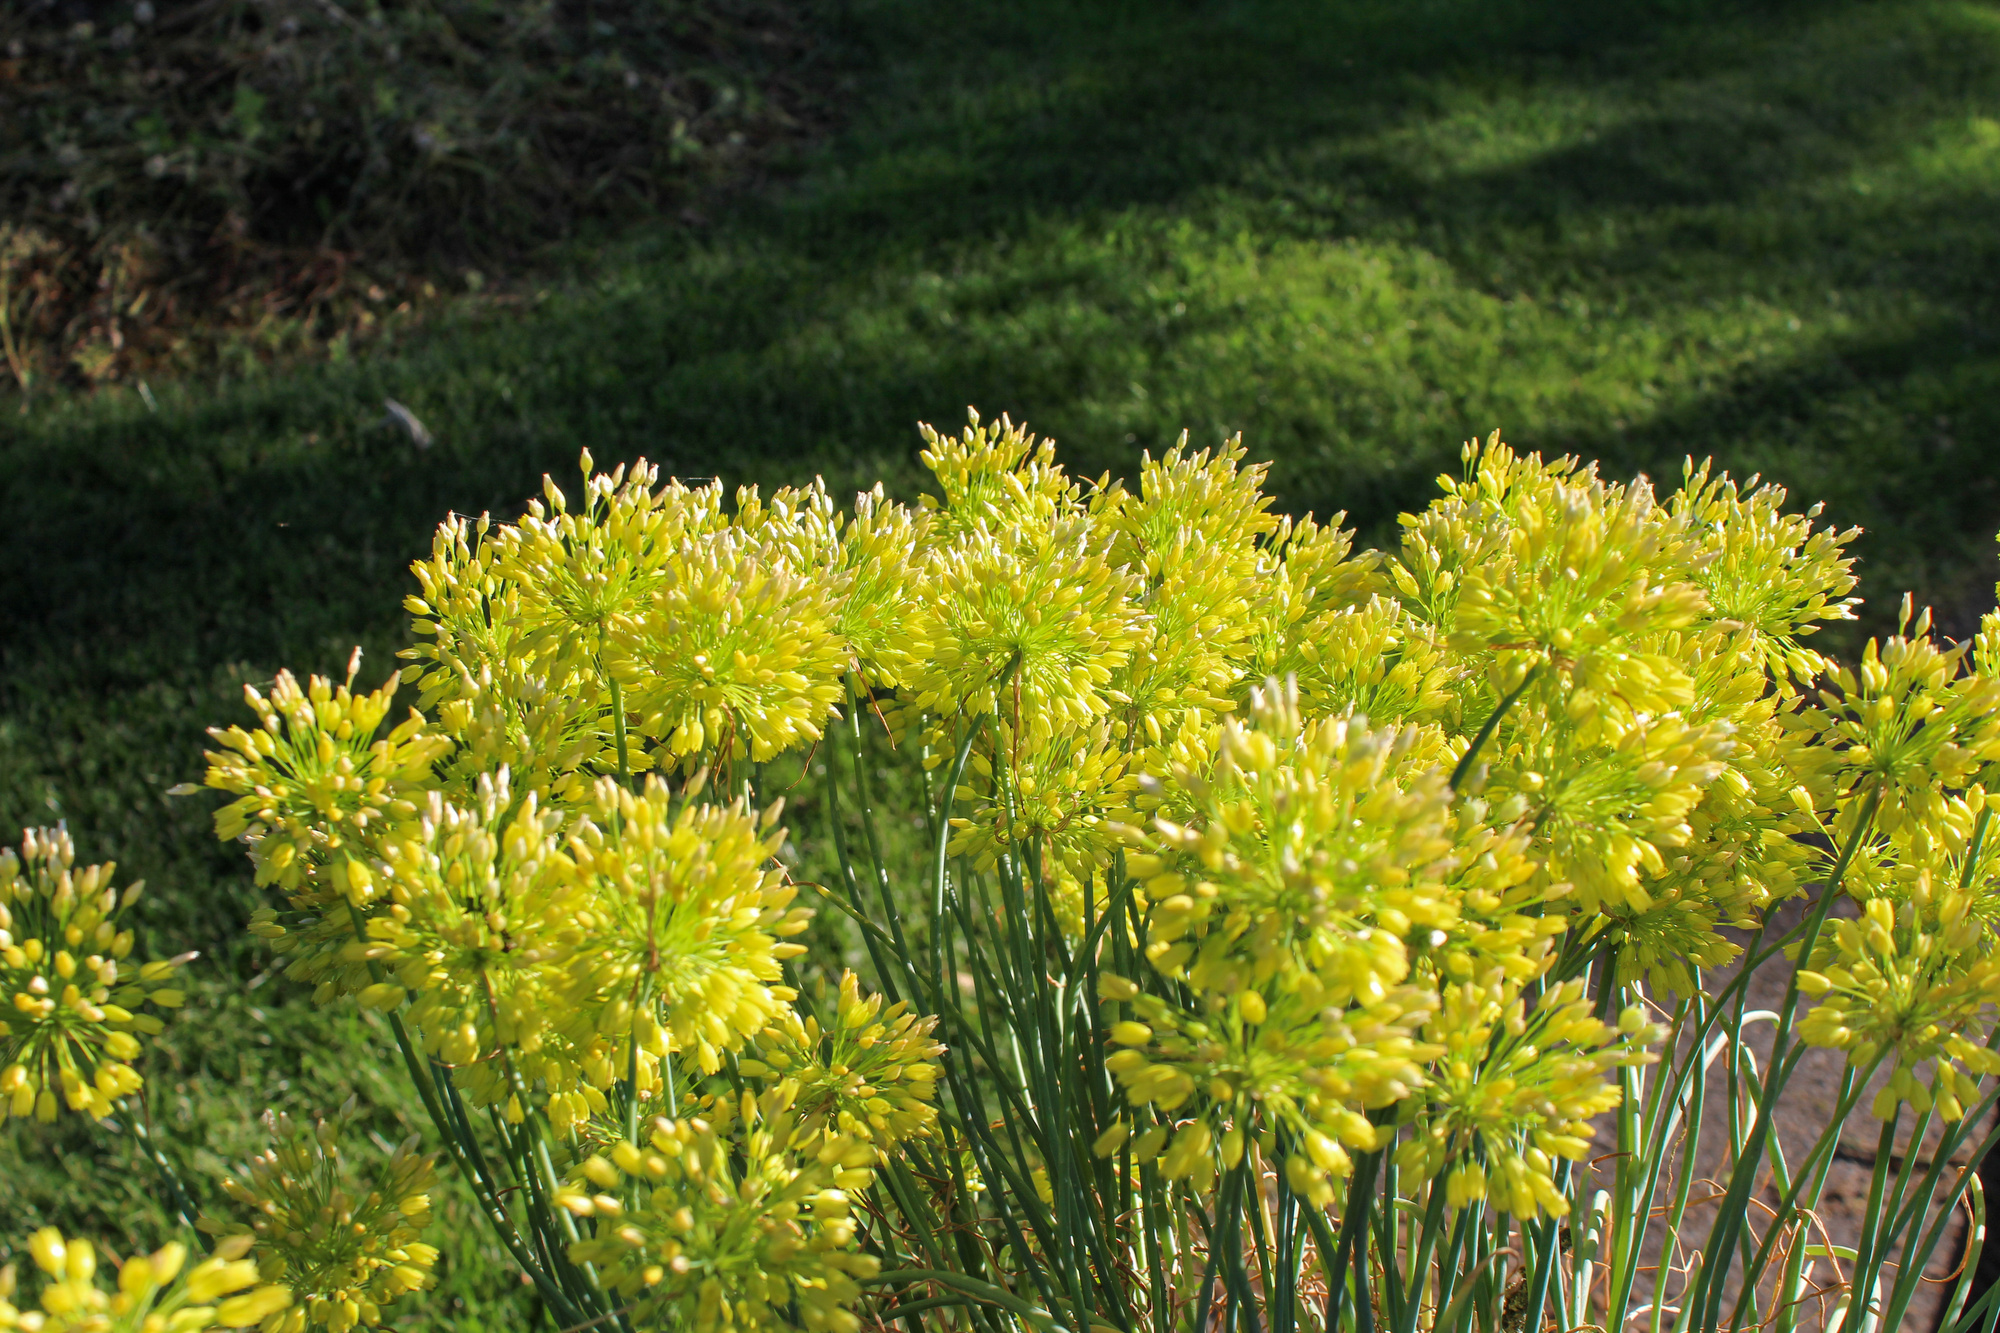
1708 1293
463 1153
1463 768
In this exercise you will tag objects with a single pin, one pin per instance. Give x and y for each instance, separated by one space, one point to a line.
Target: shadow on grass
1357 235
1045 172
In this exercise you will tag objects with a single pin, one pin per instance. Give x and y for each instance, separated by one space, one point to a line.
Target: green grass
1357 233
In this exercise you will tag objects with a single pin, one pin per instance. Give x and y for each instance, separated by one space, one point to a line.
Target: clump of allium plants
1305 938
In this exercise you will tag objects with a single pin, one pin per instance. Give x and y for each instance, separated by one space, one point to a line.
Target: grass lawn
1358 233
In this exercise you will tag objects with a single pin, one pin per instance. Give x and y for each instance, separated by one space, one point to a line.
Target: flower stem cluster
1309 860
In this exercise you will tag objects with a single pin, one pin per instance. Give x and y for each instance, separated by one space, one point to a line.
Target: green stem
617 694
1353 1227
1866 1260
977 1290
1708 1294
1485 733
149 1144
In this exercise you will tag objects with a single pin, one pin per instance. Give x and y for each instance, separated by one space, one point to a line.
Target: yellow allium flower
1776 574
1606 817
1910 721
543 716
154 1294
997 476
1741 854
484 917
1277 1057
315 783
736 653
520 616
1193 533
1207 500
1648 751
683 947
344 1250
743 1222
1318 847
580 578
871 1072
1909 980
317 788
1501 889
1045 602
1743 850
1515 1088
877 611
1190 655
1471 526
72 1023
1375 660
1582 589
1309 573
1668 940
1938 851
798 527
1066 797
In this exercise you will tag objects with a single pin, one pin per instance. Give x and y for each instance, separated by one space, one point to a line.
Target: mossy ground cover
1357 233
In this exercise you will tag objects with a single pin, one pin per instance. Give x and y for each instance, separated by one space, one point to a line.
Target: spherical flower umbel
742 1222
1374 659
871 1072
737 652
154 1294
343 1248
876 610
318 786
314 782
1044 610
690 923
1193 532
73 994
1318 847
519 618
578 577
1064 798
1911 981
1910 722
1515 1088
1775 573
1255 1062
485 912
995 475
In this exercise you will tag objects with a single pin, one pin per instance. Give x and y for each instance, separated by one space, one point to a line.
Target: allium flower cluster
319 786
1909 981
484 917
315 783
742 1220
153 1295
75 998
691 923
342 1248
1515 1087
1366 819
1910 723
871 1073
